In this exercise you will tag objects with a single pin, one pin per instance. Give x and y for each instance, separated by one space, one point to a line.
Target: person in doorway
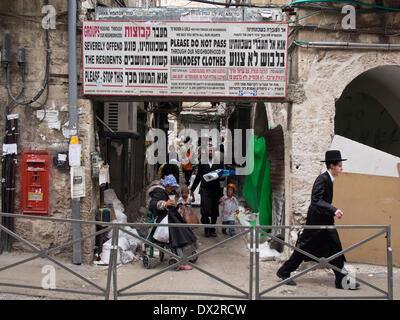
172 154
210 192
172 167
230 207
187 161
321 242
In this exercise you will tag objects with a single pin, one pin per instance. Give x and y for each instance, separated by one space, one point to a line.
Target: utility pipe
349 45
73 120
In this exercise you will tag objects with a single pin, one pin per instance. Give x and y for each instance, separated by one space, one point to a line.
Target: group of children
229 203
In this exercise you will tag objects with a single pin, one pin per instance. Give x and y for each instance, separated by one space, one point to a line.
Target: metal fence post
111 263
251 263
257 258
115 261
389 263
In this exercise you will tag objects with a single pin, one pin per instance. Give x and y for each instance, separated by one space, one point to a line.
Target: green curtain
257 185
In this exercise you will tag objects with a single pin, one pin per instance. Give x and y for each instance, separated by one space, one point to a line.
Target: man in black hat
210 192
321 242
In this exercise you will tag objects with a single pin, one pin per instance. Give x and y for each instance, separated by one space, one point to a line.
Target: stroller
152 257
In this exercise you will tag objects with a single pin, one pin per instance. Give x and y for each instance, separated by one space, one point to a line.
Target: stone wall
323 74
23 21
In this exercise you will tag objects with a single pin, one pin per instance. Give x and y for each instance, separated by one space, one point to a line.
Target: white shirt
330 175
210 162
229 207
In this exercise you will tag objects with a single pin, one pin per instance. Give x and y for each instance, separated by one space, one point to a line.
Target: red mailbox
35 171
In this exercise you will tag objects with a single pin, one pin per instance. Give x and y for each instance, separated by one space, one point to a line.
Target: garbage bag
127 256
105 253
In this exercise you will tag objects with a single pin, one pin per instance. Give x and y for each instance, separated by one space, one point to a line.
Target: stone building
341 79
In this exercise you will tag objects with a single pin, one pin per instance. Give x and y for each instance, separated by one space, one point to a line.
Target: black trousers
297 258
188 175
208 220
209 209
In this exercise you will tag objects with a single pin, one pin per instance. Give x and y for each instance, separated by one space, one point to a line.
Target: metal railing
112 265
324 262
243 293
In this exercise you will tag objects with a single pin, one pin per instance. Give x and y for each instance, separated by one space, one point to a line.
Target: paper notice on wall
77 182
12 116
10 148
74 155
104 174
51 117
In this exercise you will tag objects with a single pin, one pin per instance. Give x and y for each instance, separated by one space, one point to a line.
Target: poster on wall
193 59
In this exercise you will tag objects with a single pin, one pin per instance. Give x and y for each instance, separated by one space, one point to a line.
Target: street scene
200 150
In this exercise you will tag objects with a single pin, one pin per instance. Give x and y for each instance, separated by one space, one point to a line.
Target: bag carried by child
189 216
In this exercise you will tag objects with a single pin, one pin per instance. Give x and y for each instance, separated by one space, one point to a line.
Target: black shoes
289 283
209 232
349 286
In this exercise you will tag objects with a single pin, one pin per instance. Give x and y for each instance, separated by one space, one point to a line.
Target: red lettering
91 31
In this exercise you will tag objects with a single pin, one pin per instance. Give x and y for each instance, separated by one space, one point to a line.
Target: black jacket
178 236
212 186
321 242
168 169
321 212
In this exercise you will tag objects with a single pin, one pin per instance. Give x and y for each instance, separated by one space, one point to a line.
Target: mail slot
35 171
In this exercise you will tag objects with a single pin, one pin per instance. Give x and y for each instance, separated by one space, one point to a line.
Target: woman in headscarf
161 205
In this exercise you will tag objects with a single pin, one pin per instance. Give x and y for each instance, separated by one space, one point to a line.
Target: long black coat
210 192
178 236
321 243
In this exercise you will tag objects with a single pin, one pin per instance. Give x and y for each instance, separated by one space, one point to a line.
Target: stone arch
323 75
368 109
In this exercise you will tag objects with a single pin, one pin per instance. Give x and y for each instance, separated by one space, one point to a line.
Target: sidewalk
230 262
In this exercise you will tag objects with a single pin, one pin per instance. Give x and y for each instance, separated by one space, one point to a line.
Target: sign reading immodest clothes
194 59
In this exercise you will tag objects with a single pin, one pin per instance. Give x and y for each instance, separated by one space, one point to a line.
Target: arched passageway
368 110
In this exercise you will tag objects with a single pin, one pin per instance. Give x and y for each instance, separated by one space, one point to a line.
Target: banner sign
188 59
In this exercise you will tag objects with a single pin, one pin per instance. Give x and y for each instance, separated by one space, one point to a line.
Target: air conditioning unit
121 116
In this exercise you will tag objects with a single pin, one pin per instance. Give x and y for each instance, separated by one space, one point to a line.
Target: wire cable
347 1
45 80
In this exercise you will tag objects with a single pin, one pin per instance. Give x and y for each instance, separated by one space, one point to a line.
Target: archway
368 110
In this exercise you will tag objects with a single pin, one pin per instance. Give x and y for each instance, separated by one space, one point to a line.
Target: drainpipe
73 120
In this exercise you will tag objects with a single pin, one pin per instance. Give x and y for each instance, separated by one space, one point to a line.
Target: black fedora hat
333 155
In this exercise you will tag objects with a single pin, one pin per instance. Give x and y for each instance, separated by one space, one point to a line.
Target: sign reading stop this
188 59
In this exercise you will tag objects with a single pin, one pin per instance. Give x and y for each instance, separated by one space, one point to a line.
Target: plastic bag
162 233
105 253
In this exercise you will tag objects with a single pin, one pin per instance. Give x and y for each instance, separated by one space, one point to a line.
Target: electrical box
35 172
60 161
121 116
